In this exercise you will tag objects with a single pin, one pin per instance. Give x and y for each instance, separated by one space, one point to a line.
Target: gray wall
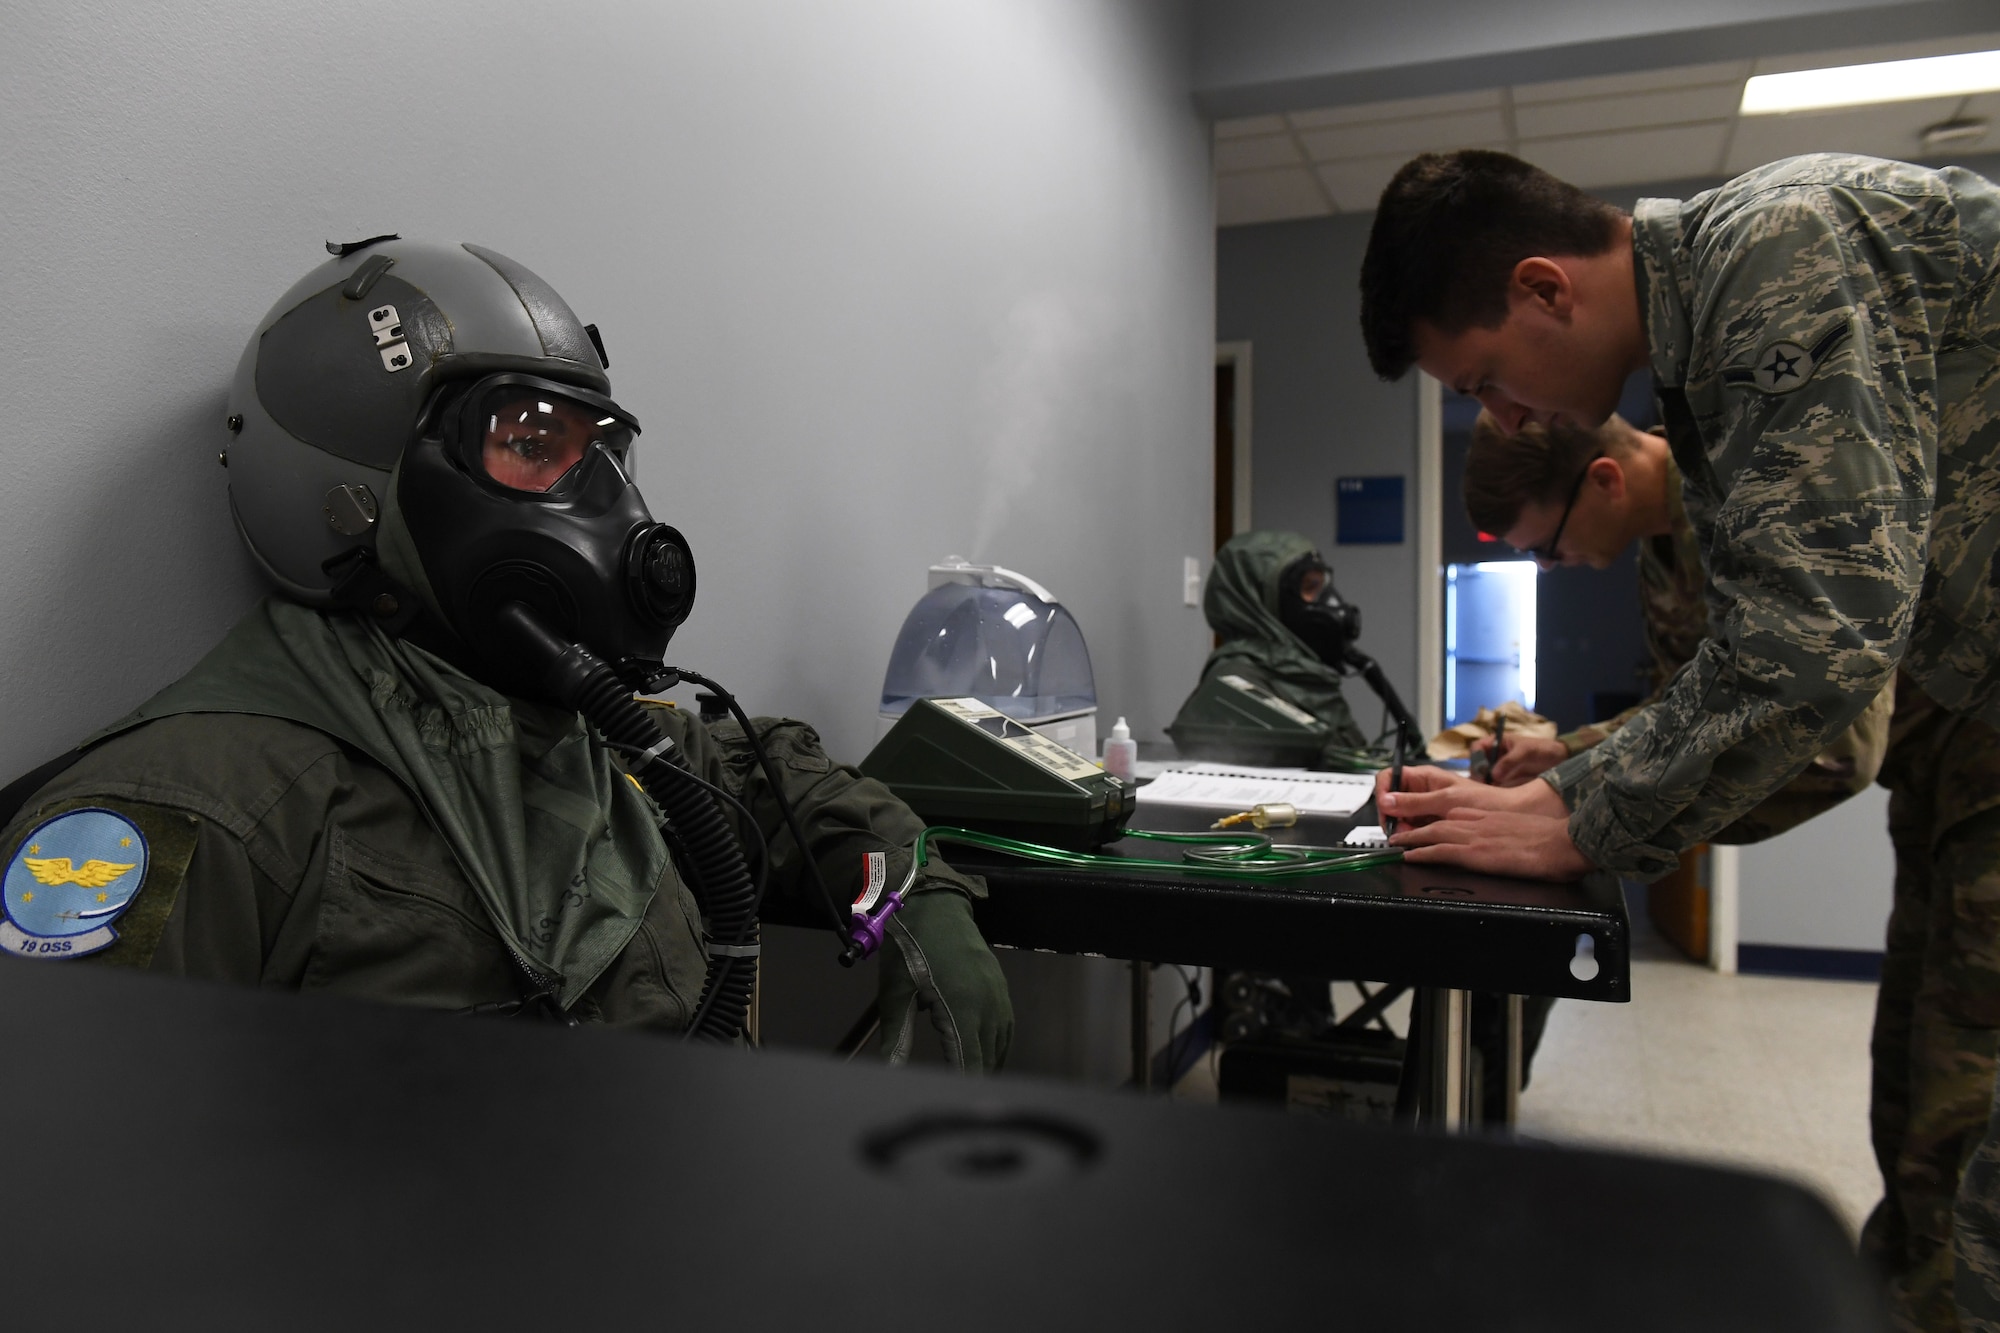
1826 884
883 281
1318 412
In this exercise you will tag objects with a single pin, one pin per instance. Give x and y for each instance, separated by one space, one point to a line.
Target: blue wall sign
1368 511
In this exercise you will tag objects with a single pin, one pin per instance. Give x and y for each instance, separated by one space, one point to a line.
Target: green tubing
1214 855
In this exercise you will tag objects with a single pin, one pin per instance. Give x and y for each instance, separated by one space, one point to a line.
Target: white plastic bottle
1120 751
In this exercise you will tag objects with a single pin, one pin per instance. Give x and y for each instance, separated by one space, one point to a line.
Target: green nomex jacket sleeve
1814 530
842 814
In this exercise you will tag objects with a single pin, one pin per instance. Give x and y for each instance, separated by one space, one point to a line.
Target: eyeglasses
1549 552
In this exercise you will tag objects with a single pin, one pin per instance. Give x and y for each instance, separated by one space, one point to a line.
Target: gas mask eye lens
533 436
531 440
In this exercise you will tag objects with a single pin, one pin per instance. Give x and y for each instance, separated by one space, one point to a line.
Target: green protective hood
1241 604
562 850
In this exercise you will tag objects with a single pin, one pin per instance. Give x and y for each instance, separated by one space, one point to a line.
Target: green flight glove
934 959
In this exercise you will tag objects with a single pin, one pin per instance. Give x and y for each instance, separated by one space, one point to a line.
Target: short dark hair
1536 465
1448 232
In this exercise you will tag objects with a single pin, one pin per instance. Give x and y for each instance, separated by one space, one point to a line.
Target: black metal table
1446 932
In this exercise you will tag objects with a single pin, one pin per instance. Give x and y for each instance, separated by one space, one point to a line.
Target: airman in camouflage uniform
1672 597
1675 615
1938 1007
1838 404
1824 333
1936 1010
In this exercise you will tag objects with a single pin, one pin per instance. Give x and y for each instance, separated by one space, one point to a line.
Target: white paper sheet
1229 787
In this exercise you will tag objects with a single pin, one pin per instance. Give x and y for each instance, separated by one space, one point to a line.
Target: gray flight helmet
338 375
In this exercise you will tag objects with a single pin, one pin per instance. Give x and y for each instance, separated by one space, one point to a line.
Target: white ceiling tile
1680 106
1248 125
1267 196
1356 183
1631 156
1423 134
1269 150
1867 55
1644 81
1401 109
1888 129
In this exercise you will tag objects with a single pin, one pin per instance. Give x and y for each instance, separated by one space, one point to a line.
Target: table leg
1514 1054
1448 1058
1142 1025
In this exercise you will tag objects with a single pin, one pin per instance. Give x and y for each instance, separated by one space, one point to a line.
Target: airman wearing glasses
1625 488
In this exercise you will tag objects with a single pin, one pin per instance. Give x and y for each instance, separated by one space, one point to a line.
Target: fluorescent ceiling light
1886 81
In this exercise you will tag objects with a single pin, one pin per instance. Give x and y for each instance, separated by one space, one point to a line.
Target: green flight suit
292 855
1241 605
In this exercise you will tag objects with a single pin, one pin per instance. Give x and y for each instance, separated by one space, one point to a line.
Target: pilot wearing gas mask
1283 625
419 772
1270 598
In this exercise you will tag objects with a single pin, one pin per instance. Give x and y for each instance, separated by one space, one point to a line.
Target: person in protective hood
1270 598
419 773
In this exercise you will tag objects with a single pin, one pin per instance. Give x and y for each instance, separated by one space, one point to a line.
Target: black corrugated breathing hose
577 678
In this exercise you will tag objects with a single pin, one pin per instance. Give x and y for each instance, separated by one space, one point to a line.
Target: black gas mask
517 494
1328 625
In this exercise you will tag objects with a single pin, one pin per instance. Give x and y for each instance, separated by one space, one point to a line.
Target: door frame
1237 354
1430 554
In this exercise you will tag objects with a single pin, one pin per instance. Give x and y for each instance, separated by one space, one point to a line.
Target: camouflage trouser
1935 1026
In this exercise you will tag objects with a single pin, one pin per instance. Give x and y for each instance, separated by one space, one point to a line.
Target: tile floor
1764 1073
1768 1073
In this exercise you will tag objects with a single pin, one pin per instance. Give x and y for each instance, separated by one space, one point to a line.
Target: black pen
1395 783
1493 755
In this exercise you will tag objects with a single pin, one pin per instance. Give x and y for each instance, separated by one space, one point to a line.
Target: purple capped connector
867 929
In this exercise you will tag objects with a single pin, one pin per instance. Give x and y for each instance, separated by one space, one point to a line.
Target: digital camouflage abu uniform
317 806
1932 1048
1939 1003
1241 605
1672 598
1825 335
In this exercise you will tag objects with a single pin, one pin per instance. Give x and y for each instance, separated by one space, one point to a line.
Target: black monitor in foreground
181 1155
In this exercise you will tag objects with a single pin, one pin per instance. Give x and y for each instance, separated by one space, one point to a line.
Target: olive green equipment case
1234 720
960 762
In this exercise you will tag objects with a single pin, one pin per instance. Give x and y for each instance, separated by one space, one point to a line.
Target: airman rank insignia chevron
1783 366
70 878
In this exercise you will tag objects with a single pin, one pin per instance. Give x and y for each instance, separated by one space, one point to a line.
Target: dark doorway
1225 452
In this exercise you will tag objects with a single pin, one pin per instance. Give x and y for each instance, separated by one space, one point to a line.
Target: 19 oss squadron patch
68 881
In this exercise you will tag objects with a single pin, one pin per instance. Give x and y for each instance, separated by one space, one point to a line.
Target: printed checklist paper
1228 787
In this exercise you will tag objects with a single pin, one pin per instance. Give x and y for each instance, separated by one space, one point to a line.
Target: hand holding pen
1395 784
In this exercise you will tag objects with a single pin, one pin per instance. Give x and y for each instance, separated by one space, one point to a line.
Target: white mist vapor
1025 394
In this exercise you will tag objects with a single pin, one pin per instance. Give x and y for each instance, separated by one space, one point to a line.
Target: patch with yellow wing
68 880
